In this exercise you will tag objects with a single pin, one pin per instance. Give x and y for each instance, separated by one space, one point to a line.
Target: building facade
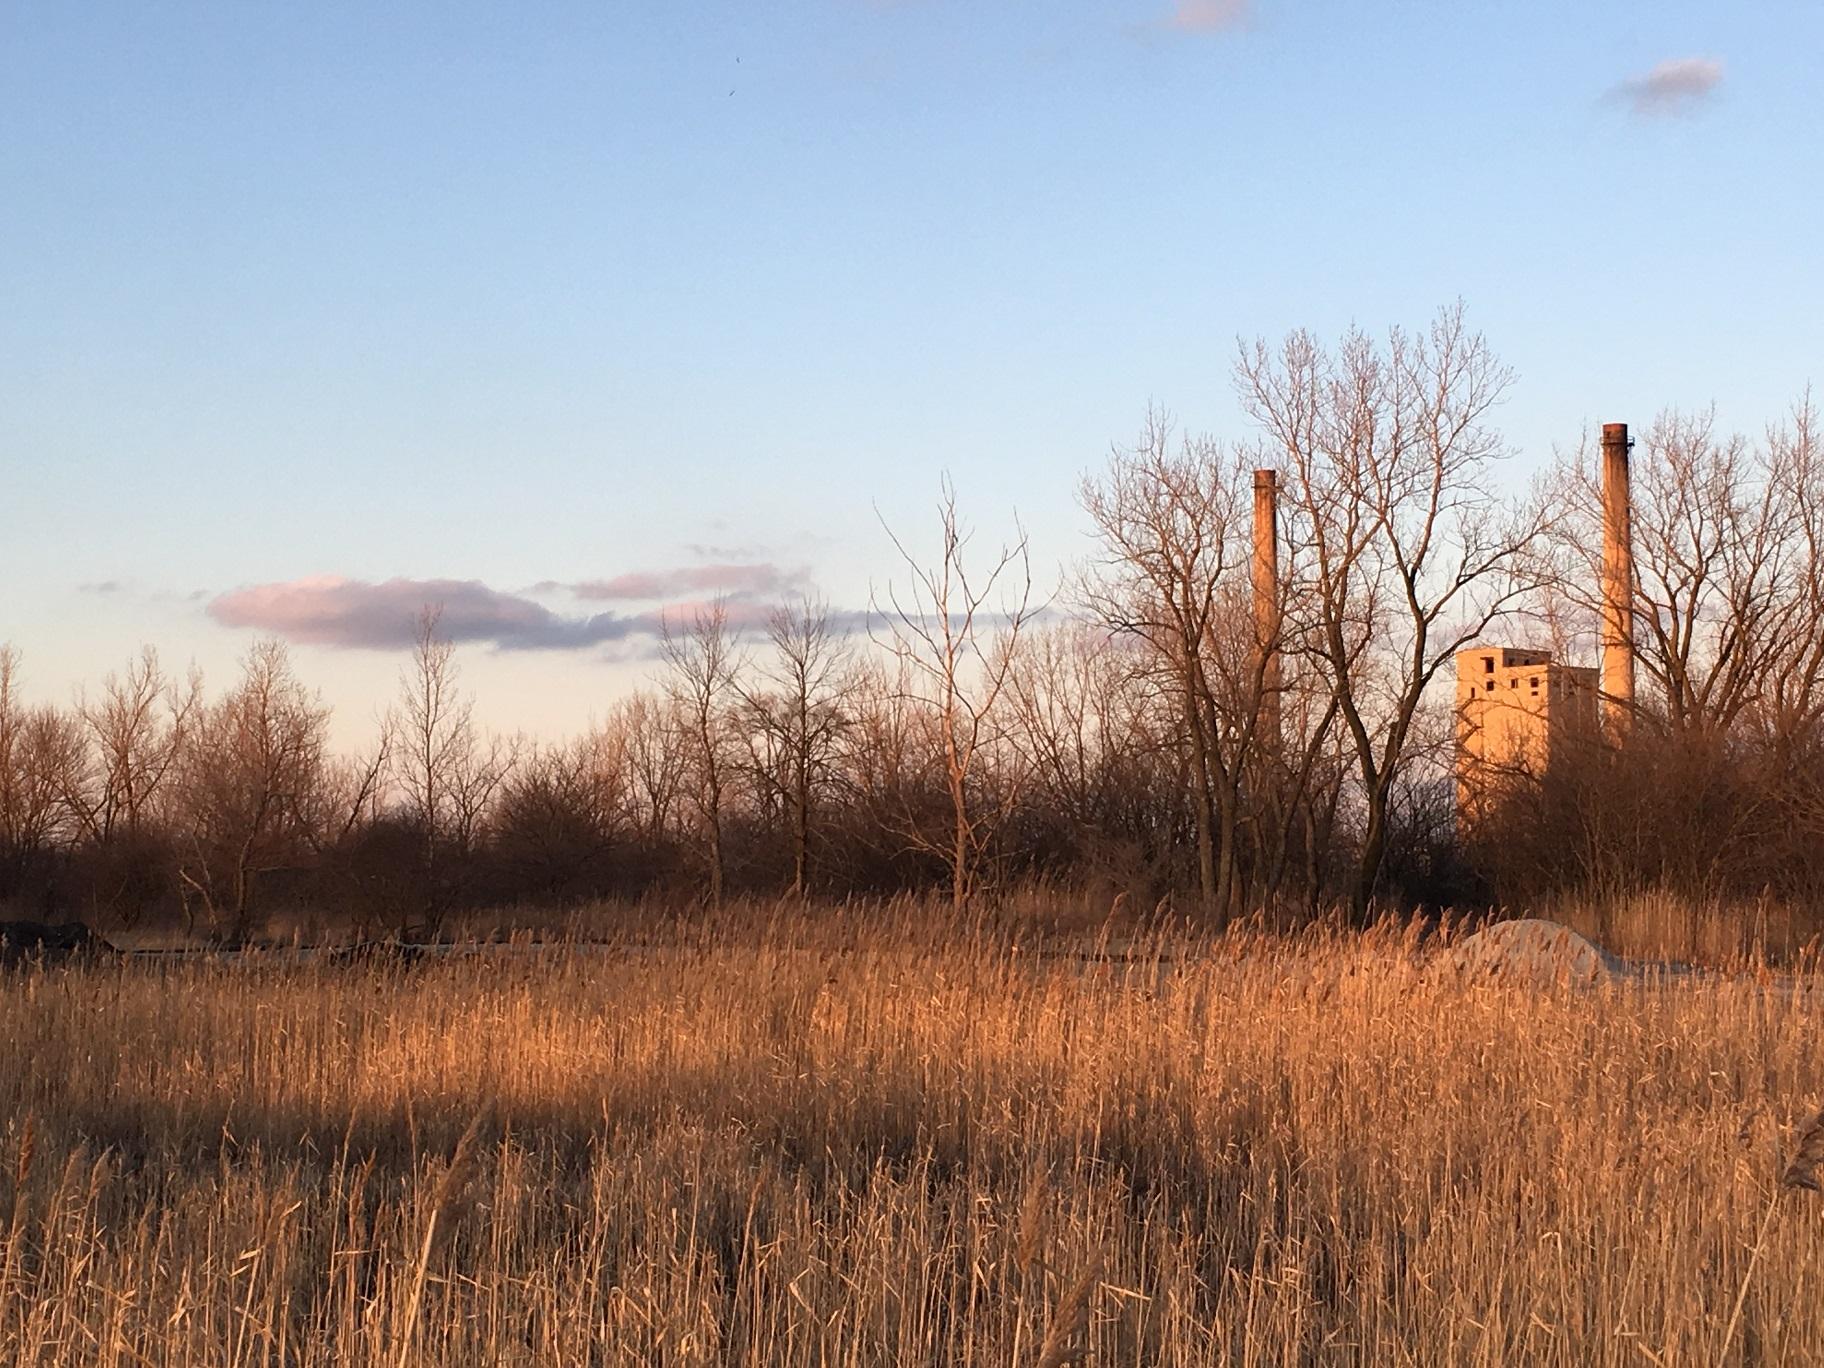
1518 711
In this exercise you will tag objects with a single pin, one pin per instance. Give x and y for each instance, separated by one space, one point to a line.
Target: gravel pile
1533 950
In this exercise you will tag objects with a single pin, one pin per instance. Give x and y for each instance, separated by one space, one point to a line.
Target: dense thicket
1169 726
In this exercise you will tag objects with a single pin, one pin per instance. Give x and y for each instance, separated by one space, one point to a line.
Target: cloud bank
357 614
1677 86
350 614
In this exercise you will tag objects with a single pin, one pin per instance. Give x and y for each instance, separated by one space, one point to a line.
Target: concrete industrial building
1519 711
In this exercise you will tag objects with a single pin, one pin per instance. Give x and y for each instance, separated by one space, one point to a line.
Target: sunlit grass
893 1142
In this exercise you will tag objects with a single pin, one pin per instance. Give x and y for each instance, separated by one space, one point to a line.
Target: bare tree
1793 693
476 781
1175 527
347 803
248 782
38 749
435 739
128 741
1728 626
702 664
1100 739
652 731
1079 716
563 810
956 667
796 719
1724 534
449 773
882 768
135 729
1408 549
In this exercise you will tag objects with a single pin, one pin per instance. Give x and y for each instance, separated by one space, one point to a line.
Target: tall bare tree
956 632
1792 695
1722 578
796 719
702 665
129 737
248 781
135 730
652 730
447 772
38 748
1408 548
432 722
1175 527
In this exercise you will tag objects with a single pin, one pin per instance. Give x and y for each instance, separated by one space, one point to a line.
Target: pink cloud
332 611
1677 86
1207 16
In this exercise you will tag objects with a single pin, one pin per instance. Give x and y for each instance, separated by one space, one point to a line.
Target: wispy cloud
1677 86
717 551
646 586
1207 16
125 590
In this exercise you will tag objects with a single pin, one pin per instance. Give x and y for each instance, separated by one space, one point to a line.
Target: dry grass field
864 1144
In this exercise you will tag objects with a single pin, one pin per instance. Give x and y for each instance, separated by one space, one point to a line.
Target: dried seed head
448 1198
1802 1172
1030 1233
1067 1338
28 1147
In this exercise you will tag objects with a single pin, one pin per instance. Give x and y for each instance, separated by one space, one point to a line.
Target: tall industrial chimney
1617 583
1266 599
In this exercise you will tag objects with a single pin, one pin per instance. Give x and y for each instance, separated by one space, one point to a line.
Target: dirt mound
1532 950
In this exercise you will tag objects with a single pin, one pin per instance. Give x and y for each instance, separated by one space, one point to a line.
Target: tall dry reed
850 1142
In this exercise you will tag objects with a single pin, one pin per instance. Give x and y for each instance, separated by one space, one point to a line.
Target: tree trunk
1374 851
1201 804
801 841
959 858
715 859
1226 871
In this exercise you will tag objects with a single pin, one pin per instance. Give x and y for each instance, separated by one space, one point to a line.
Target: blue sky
577 301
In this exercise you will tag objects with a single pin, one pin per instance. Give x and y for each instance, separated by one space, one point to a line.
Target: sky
564 314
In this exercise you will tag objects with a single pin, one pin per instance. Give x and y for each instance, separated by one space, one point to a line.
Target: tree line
1177 721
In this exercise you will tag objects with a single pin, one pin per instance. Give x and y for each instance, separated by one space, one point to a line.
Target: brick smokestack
1266 599
1617 582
